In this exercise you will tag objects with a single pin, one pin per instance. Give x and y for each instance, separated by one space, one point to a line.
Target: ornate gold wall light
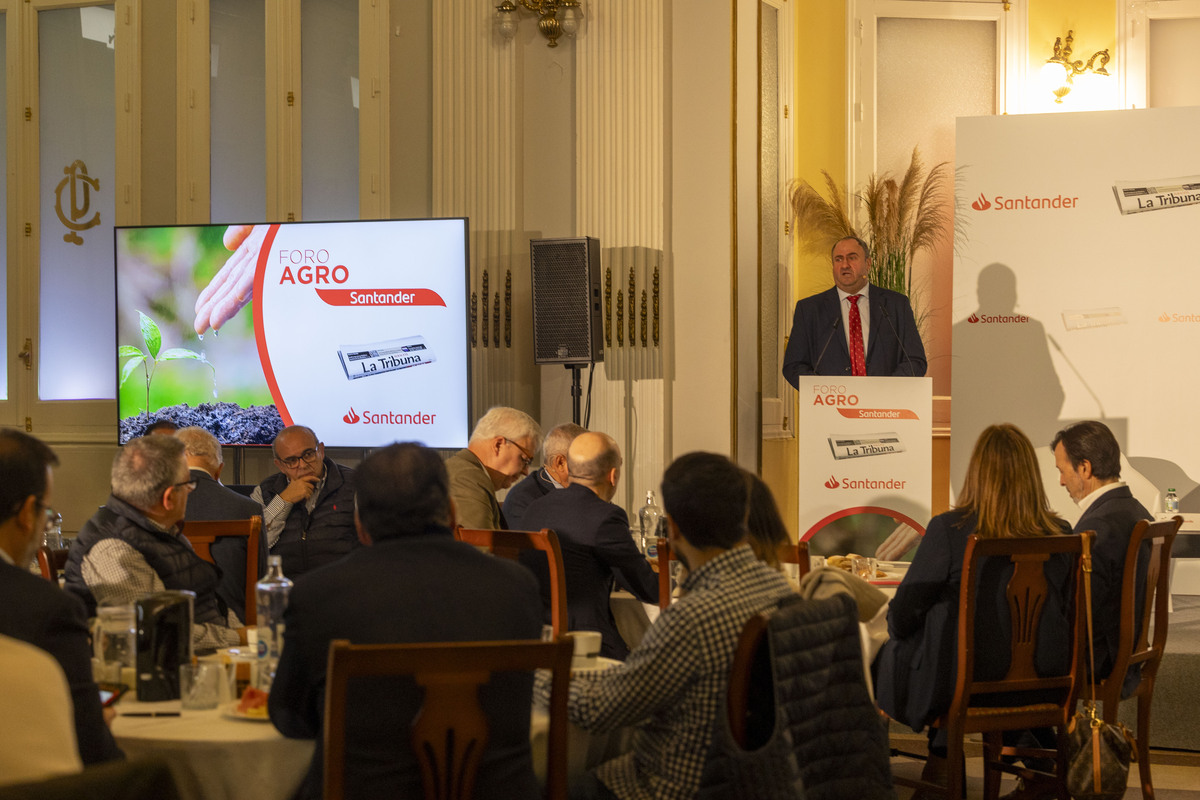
556 18
1060 71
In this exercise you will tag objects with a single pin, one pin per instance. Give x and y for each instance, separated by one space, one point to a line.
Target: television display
356 329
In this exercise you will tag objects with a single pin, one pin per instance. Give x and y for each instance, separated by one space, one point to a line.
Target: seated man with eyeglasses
498 454
308 506
133 546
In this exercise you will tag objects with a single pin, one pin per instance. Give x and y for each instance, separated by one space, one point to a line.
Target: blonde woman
1002 495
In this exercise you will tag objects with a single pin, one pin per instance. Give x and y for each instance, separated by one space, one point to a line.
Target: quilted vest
310 540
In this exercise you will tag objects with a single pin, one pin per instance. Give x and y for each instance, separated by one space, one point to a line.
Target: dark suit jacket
411 589
533 486
596 548
1112 516
212 501
36 611
915 669
817 345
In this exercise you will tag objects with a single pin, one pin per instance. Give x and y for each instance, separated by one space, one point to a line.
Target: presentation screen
356 329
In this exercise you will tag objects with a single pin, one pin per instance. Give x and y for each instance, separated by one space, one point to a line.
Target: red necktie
858 361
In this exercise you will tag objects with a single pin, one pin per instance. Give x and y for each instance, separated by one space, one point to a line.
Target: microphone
829 338
904 353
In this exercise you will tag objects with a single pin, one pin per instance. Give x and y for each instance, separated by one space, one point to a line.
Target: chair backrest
509 544
788 554
51 561
1027 594
203 533
449 734
1134 645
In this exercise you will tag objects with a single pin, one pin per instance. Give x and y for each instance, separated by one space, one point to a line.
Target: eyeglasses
308 457
191 485
526 459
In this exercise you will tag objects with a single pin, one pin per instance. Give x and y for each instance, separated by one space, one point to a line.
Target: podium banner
865 448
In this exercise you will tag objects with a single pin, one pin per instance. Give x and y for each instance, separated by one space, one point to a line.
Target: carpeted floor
1174 717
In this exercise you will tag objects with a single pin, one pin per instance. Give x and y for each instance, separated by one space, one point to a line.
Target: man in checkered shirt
669 687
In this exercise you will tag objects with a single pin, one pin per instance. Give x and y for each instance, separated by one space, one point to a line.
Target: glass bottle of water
1171 503
52 535
272 592
650 516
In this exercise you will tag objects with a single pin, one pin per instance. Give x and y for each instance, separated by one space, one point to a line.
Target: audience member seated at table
1002 495
669 687
765 529
497 455
37 739
765 526
211 501
412 583
1089 466
308 506
132 546
540 482
597 548
36 611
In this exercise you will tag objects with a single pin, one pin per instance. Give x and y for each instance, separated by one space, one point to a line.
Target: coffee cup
587 648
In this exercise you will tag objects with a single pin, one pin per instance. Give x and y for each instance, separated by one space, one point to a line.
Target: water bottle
1171 503
52 535
272 592
650 516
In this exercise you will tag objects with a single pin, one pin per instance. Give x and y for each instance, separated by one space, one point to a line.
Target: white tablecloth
214 757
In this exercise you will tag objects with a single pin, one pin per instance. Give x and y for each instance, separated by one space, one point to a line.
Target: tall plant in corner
902 219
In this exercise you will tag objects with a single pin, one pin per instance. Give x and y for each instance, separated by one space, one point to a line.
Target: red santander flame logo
1164 317
832 483
351 418
973 318
982 204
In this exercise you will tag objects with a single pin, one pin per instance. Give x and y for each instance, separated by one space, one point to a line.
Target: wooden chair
51 561
1135 647
450 732
509 544
979 706
795 553
203 533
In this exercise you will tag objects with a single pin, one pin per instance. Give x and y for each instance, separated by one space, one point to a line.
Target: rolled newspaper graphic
861 445
1134 197
365 360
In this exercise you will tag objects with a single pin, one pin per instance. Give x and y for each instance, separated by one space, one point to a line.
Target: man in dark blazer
1089 467
597 547
35 610
411 583
540 482
209 501
819 343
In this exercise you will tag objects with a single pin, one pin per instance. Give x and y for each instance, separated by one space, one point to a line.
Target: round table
213 756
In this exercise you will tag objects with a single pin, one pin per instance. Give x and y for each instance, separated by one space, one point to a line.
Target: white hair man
498 454
539 483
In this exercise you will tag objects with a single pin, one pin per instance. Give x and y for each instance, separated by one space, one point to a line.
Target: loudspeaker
567 325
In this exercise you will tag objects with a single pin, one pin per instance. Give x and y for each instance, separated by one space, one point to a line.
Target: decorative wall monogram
82 185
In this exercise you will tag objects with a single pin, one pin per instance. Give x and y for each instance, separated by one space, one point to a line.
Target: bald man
594 536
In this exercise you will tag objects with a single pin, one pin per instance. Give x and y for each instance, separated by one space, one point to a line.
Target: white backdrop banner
1076 293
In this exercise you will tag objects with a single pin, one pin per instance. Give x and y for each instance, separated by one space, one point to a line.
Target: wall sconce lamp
1060 71
557 17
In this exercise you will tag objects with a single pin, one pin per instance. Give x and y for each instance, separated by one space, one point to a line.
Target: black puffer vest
176 564
311 540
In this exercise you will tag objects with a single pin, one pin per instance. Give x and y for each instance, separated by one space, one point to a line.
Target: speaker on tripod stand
568 327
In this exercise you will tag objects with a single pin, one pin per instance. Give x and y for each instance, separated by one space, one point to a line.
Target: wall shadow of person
1002 371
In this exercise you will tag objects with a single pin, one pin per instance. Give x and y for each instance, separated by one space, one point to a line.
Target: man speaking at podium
853 328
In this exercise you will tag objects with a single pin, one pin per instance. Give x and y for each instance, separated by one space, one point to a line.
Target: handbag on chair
1098 754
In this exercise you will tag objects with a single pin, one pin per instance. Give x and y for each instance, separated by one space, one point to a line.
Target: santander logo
973 318
351 418
832 483
981 204
1026 202
1164 317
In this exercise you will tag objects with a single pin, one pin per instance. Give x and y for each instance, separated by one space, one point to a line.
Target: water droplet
216 332
200 336
214 393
